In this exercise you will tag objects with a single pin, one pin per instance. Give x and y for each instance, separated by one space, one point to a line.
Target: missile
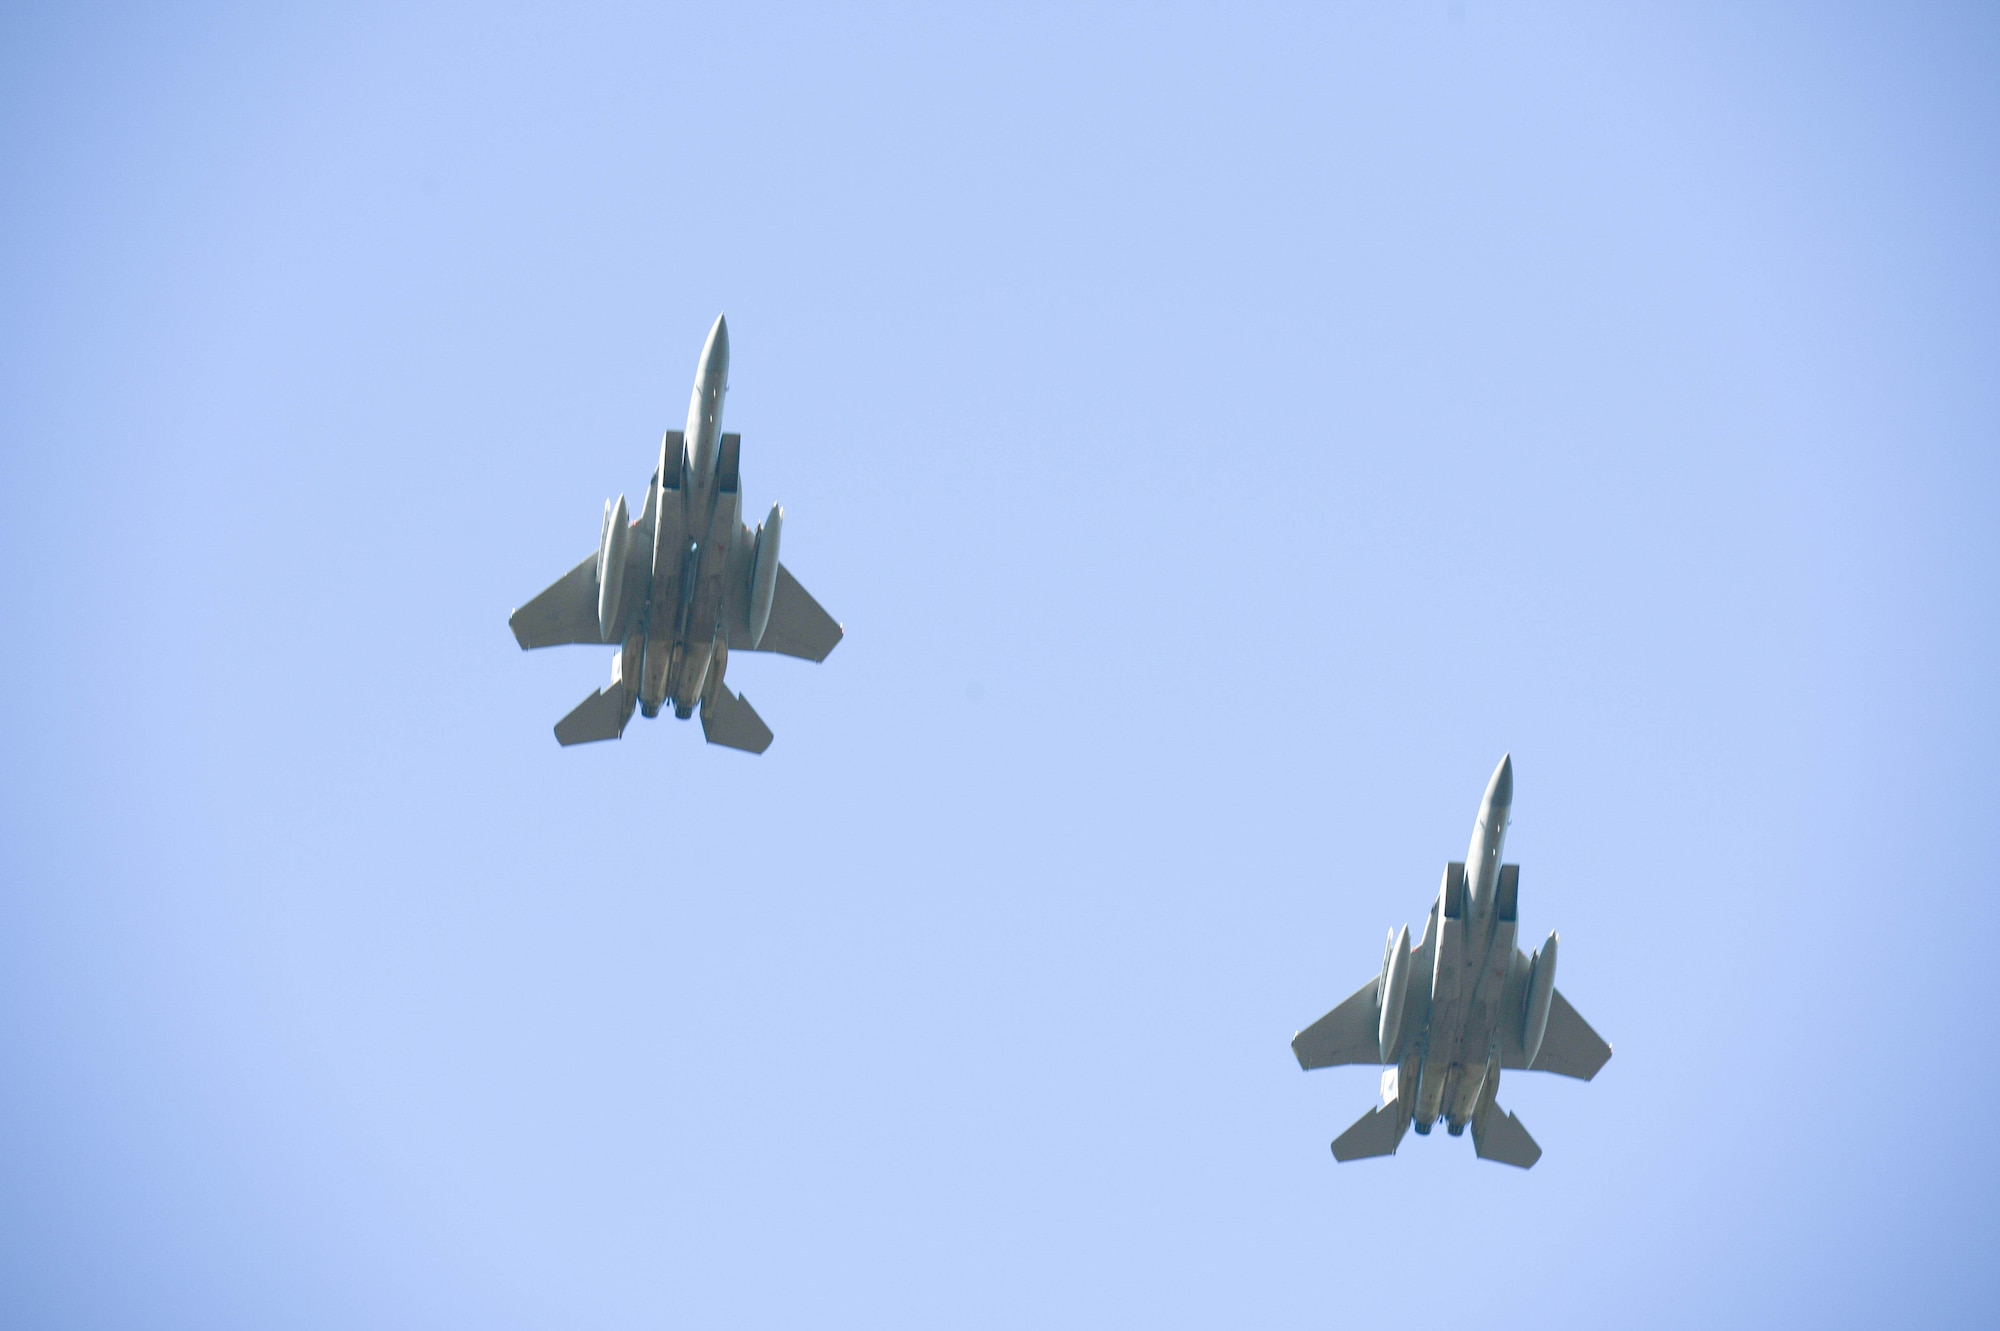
1393 989
1541 992
611 567
764 574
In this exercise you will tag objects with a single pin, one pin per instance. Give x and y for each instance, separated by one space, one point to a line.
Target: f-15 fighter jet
1449 1014
681 588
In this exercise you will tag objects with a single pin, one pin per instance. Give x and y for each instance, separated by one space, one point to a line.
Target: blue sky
1223 432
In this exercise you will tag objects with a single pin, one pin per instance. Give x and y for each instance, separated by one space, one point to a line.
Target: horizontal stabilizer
1377 1132
600 716
1351 1033
1498 1135
730 721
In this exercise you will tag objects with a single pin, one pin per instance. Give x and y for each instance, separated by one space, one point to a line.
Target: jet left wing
1351 1033
797 627
1569 1047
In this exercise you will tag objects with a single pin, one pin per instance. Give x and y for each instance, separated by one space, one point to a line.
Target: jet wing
1351 1033
798 627
1569 1047
565 612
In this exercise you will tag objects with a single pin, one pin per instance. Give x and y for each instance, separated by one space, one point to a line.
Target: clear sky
1223 431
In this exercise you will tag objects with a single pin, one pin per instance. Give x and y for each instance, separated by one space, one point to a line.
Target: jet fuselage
1455 1048
1447 1013
681 653
680 587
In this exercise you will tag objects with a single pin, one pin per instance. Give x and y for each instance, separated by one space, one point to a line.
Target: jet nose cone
715 353
1500 790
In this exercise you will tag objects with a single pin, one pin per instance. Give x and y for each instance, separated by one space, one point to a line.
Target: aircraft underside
1449 1012
680 588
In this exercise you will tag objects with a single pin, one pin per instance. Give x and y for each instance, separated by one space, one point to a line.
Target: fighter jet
1449 1014
681 588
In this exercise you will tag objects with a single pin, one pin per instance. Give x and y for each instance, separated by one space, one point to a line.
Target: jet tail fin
1377 1132
600 716
1498 1135
729 720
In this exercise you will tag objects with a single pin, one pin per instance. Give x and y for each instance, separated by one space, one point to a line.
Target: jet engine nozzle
611 548
1541 992
1393 989
764 574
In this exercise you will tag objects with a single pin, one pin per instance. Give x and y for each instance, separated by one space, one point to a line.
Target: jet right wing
564 612
1351 1033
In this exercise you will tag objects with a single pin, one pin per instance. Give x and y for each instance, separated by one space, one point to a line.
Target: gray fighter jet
681 588
1449 1014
